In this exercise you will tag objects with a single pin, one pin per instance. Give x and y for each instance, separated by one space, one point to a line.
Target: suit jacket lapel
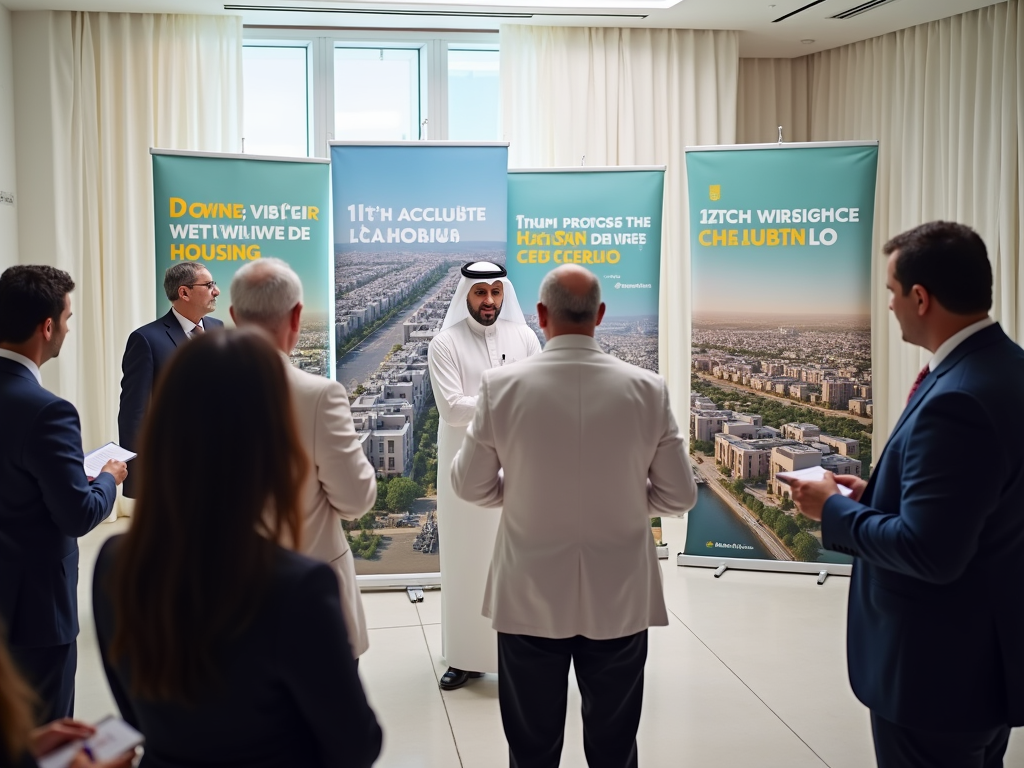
174 332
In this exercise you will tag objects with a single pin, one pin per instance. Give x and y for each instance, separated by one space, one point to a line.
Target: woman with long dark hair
222 646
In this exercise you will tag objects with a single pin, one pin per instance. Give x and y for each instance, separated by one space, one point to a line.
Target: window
377 94
391 447
474 95
380 447
391 462
306 88
276 93
381 462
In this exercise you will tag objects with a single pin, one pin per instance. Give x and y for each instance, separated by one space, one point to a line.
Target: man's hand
854 483
810 496
116 468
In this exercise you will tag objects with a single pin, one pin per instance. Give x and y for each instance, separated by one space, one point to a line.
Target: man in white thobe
472 340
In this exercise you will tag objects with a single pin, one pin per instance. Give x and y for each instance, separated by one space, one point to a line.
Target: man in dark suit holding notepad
47 500
935 636
193 294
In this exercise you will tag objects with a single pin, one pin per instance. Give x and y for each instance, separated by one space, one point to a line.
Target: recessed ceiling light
807 41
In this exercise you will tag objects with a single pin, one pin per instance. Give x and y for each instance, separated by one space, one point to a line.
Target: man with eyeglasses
193 295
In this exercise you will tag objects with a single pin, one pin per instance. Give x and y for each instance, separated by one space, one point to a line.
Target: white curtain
625 97
118 84
946 102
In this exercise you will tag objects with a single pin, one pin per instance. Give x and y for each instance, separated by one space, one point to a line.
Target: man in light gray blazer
581 450
341 484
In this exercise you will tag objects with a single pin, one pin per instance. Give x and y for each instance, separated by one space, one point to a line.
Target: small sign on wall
6 198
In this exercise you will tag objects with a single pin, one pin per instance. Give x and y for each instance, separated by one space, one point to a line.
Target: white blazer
588 451
341 485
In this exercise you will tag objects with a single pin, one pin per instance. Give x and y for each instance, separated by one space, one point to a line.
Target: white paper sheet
94 461
810 473
112 739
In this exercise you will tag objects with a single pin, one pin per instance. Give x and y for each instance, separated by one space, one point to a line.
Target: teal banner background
616 235
224 211
781 249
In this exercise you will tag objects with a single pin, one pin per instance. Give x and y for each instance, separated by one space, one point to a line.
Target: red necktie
917 382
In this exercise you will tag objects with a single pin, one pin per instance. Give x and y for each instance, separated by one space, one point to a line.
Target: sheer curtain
625 97
946 102
95 91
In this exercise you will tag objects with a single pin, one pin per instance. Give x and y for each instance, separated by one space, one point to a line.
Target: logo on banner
715 191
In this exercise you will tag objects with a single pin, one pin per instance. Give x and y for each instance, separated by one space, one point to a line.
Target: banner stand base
721 565
662 551
398 581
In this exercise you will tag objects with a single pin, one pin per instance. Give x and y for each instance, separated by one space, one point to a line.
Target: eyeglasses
209 286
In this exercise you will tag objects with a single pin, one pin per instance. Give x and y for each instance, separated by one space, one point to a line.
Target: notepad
112 739
811 474
94 461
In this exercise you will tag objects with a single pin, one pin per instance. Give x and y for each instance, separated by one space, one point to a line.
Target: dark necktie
197 329
917 382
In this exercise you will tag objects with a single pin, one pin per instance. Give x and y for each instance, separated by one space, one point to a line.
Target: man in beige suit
341 484
581 450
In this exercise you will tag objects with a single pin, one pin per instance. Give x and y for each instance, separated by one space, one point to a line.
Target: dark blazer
935 634
290 693
45 505
148 350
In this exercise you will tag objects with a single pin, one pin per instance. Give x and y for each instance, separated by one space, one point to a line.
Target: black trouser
51 673
533 688
899 747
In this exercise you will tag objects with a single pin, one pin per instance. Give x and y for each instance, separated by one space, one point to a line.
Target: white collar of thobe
482 330
15 357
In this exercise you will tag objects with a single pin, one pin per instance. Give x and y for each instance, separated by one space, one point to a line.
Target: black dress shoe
456 678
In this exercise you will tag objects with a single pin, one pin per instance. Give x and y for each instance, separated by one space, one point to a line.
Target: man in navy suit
193 295
47 501
935 633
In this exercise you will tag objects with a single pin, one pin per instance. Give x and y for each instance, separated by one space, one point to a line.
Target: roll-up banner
223 211
781 367
407 216
607 220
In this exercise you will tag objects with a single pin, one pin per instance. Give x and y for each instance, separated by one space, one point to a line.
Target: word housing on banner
223 211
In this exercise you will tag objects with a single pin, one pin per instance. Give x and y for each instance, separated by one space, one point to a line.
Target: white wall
8 173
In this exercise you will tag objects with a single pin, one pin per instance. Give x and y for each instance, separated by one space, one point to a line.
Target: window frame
281 42
321 42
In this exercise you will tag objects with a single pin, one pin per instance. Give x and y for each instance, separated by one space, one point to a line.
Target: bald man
580 450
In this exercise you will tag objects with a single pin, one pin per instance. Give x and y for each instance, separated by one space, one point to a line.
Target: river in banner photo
712 520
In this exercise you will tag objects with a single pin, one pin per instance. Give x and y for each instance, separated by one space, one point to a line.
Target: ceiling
760 34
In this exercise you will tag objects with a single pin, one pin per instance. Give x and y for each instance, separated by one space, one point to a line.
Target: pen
502 359
88 753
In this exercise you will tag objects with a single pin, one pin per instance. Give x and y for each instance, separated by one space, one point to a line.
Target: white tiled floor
750 673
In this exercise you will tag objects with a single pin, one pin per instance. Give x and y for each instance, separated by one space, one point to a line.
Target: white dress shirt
32 367
956 340
187 325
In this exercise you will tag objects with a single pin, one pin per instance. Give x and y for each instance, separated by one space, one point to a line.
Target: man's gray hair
184 273
564 306
265 291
